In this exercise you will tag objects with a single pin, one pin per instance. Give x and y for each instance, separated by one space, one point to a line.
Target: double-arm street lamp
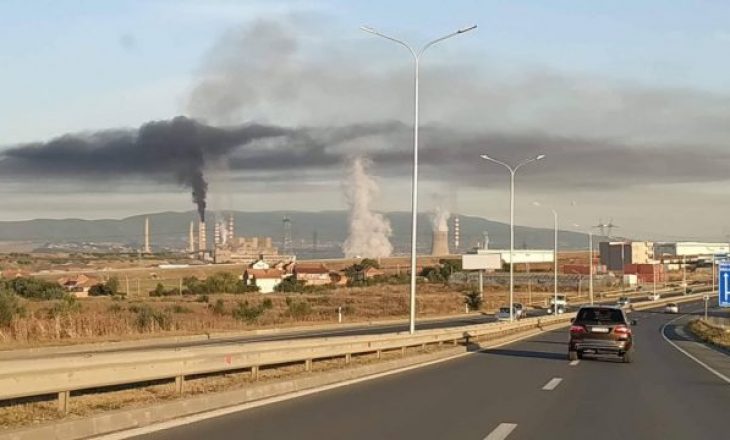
512 171
414 192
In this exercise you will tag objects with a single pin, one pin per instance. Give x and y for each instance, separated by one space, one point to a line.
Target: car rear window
504 310
600 316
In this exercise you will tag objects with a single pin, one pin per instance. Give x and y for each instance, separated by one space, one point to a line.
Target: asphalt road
526 390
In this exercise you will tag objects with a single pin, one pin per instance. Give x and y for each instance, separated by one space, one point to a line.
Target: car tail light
577 329
622 330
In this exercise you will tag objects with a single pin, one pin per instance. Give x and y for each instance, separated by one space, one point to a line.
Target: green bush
10 308
177 308
149 319
473 299
298 308
202 299
219 308
245 312
221 282
33 288
267 303
290 284
66 306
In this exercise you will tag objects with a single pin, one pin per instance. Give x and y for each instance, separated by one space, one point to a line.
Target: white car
562 304
671 308
655 297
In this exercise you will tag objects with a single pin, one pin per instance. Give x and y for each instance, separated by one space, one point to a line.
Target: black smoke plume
176 148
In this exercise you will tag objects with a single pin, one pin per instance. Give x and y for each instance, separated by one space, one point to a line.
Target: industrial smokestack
191 239
457 234
231 228
146 249
440 245
217 234
202 241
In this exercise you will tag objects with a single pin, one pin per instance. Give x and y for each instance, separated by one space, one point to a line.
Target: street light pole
512 171
414 184
555 259
590 263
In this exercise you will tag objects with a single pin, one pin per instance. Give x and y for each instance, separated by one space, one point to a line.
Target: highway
525 390
332 330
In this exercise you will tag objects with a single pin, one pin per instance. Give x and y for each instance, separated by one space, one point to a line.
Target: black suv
601 330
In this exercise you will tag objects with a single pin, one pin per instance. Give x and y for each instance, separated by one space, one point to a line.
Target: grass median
710 333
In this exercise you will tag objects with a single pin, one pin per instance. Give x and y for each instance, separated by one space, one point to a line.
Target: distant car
655 297
624 301
601 330
671 308
520 311
503 314
562 304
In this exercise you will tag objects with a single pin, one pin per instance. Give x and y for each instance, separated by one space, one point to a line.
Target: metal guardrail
23 378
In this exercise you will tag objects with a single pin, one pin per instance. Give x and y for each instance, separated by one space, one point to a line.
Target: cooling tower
440 245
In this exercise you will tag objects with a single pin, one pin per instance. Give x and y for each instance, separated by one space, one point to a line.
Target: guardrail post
378 354
308 365
64 398
455 342
423 346
179 382
348 358
255 372
403 351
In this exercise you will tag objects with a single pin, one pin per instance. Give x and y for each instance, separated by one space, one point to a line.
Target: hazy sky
630 102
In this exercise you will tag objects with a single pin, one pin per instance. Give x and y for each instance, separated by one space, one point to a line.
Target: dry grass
106 319
710 334
84 405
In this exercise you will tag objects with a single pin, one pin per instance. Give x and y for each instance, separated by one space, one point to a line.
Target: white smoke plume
440 219
369 231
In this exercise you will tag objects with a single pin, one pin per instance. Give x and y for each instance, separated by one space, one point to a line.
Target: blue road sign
724 284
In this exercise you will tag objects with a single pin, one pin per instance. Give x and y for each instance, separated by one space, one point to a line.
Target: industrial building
615 255
669 250
246 250
520 256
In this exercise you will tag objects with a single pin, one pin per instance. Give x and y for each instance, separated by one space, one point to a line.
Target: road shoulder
713 359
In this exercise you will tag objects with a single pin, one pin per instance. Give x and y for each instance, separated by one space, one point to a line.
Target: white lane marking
574 363
552 384
686 353
501 432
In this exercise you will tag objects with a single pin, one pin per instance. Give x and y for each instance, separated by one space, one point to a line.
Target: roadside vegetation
710 334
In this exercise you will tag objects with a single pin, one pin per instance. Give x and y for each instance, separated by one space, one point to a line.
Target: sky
627 100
